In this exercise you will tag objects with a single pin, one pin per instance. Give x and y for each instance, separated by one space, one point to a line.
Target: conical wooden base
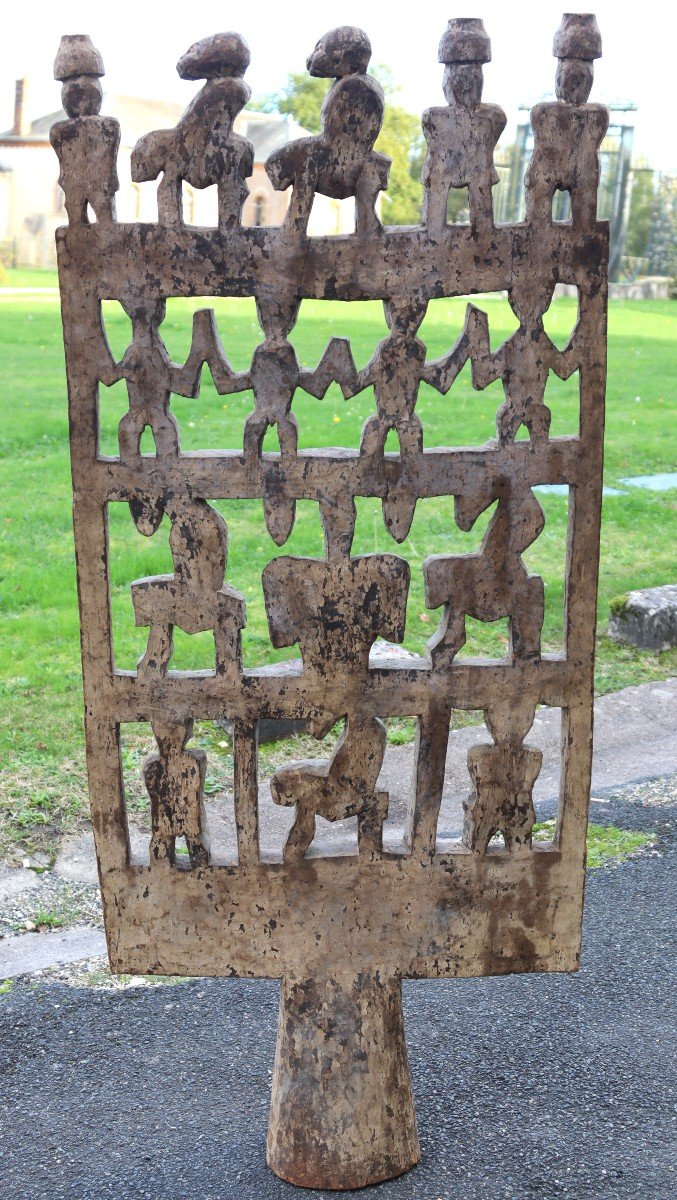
342 1111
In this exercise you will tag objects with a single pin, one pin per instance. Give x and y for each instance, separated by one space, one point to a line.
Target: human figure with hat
568 131
86 144
341 160
202 149
461 137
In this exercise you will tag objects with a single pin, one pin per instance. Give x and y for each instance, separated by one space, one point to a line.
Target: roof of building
137 116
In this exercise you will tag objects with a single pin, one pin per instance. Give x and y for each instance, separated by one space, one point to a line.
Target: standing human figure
86 144
568 131
461 137
175 779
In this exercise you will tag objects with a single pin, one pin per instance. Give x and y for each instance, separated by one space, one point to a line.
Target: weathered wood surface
429 908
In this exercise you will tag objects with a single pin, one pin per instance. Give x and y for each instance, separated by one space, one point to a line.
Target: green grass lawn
40 718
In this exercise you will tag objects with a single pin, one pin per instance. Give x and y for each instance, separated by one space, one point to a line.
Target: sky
140 51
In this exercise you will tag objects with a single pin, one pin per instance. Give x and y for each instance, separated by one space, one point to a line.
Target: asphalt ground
526 1086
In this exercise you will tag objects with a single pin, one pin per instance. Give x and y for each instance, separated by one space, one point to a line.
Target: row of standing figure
395 371
340 161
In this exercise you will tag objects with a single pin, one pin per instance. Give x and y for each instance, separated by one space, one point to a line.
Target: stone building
31 201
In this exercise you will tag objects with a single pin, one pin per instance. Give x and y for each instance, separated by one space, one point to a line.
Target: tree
400 138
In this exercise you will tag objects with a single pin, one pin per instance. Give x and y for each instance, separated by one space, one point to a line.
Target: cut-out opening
117 327
333 420
200 206
137 744
458 206
561 207
91 215
560 319
329 217
562 397
113 404
546 557
398 779
485 639
392 442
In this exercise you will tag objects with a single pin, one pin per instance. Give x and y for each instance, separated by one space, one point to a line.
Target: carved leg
130 429
158 651
163 849
434 209
399 504
527 620
374 432
367 189
170 200
370 826
198 851
288 435
342 1110
166 434
254 432
301 833
448 639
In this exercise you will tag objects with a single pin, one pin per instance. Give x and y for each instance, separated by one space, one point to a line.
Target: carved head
82 96
342 51
573 80
171 736
145 314
215 57
530 297
79 66
576 45
464 47
403 316
277 316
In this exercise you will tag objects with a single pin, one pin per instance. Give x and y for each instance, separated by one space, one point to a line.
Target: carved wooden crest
340 931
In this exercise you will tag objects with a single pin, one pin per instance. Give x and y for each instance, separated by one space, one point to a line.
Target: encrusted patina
339 930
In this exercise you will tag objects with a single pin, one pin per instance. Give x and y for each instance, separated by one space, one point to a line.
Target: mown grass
40 716
607 845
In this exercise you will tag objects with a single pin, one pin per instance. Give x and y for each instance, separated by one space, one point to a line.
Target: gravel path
527 1087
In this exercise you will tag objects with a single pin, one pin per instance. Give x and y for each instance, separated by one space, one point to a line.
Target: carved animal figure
175 780
194 598
340 161
461 137
493 583
202 149
87 144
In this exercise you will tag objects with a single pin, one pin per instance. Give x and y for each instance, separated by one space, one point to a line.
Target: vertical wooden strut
340 930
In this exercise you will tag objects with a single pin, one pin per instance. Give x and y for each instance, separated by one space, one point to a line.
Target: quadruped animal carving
341 160
437 896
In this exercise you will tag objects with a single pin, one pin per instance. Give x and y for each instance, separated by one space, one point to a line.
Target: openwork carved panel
420 909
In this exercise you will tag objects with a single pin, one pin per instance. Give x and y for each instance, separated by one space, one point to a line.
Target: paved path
546 1087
